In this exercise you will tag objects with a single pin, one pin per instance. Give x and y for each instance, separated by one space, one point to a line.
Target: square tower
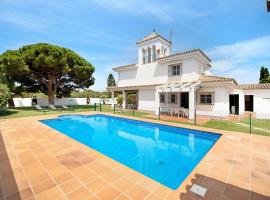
151 47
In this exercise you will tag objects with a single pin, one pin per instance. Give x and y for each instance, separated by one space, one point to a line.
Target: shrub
5 95
119 99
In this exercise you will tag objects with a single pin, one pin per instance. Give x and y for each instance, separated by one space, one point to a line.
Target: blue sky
234 33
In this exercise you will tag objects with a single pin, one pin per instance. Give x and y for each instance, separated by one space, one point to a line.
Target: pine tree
110 81
264 75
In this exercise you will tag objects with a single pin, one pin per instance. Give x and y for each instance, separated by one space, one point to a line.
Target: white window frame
162 94
206 98
171 98
175 72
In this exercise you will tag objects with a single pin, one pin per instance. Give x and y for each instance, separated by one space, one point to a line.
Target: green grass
261 127
234 126
29 111
260 123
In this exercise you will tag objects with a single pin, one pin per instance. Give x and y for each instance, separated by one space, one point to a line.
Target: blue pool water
166 154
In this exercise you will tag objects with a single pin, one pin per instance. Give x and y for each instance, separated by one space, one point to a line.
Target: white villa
179 83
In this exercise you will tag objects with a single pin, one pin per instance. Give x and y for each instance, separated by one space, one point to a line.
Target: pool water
166 154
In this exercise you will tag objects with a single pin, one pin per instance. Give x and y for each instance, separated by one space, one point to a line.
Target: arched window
148 55
143 56
154 53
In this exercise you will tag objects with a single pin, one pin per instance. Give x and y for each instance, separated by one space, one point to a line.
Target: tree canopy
50 69
264 75
110 80
5 94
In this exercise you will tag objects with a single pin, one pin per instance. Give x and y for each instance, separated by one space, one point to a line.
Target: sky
235 34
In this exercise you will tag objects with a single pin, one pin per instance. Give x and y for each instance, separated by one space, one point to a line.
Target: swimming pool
164 153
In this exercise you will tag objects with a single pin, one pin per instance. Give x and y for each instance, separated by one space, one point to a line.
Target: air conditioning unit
268 5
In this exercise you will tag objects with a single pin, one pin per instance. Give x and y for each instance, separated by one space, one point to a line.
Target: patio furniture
52 107
38 107
64 107
165 110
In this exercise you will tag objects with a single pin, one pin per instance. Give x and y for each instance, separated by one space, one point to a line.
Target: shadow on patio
218 190
8 186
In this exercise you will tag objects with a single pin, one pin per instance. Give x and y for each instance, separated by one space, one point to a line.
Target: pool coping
205 167
153 123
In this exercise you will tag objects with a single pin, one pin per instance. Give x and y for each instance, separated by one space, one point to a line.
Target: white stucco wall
220 106
157 73
26 102
22 102
261 101
147 99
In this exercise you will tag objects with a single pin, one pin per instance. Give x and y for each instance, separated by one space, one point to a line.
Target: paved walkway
37 162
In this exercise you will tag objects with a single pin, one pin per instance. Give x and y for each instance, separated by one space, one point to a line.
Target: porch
177 99
130 98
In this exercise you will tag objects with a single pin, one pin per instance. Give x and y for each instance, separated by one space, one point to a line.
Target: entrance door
234 104
184 100
249 103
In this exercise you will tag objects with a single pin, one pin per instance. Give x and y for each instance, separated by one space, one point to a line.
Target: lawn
259 126
29 111
243 126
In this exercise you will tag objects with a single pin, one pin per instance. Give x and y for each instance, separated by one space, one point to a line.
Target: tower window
154 53
143 56
148 55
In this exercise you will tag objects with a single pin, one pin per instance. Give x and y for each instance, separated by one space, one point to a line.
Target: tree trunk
50 90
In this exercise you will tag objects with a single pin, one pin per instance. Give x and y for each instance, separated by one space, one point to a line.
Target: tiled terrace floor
37 162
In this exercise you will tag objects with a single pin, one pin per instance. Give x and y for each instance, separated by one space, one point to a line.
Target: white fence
26 102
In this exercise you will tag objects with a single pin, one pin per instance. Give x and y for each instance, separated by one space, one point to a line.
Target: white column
124 99
167 99
112 96
191 103
157 102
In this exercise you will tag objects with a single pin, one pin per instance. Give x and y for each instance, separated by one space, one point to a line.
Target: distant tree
264 75
110 81
119 99
53 70
131 98
5 95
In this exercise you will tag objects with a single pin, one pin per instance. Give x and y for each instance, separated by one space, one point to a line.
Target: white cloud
241 60
160 10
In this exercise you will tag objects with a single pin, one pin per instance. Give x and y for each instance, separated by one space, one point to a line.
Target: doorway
249 103
234 104
184 100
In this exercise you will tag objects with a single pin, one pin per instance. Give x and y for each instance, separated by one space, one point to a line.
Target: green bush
119 99
5 95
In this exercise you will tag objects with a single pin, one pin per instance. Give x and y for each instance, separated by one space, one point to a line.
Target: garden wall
26 102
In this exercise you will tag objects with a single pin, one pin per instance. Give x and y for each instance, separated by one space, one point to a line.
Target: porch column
112 96
124 99
191 103
157 102
166 99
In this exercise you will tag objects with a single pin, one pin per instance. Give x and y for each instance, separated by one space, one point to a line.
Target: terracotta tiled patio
37 162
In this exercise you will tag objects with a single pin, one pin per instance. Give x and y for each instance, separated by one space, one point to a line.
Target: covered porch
130 97
177 99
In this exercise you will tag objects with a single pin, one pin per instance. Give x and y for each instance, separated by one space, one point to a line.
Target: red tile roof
260 86
151 36
186 52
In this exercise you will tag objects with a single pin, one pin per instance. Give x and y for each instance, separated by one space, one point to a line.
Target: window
143 56
162 98
173 98
154 53
205 98
175 70
148 55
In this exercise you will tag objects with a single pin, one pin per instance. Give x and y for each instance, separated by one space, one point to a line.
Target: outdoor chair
165 110
38 107
64 107
52 107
